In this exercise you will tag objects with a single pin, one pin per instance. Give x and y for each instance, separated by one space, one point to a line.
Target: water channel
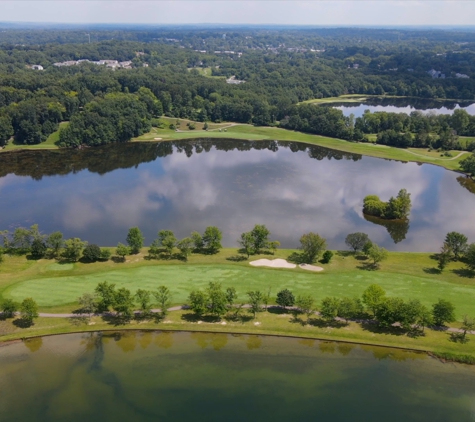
150 376
99 193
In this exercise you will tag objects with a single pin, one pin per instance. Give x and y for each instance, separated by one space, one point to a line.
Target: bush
38 249
285 298
92 253
327 257
105 254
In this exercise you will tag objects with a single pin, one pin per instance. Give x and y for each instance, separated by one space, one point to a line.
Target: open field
206 71
56 286
50 143
409 275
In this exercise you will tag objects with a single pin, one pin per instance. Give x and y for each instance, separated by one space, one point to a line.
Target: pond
99 193
403 105
150 376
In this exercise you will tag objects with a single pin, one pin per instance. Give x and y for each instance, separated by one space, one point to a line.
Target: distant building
232 80
462 76
436 74
356 65
37 67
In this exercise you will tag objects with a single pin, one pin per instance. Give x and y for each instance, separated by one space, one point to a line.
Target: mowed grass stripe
55 291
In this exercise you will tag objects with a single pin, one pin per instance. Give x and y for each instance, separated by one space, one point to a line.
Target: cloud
356 12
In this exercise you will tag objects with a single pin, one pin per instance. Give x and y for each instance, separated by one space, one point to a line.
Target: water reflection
403 105
397 229
293 188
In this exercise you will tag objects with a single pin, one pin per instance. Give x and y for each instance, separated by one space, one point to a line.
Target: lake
150 376
403 105
97 194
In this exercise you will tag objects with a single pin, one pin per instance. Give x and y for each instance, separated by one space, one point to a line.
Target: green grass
50 143
206 71
249 132
409 275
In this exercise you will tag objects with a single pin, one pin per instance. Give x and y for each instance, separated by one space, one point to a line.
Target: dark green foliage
257 240
356 241
285 298
350 308
255 301
143 298
395 209
92 253
28 310
231 296
163 298
327 257
123 303
305 305
444 256
457 243
135 240
167 240
212 240
38 249
106 296
443 312
470 256
73 249
9 307
312 245
197 301
468 164
217 299
185 246
329 308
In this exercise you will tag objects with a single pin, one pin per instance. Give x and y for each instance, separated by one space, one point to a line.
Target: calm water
403 105
218 377
97 194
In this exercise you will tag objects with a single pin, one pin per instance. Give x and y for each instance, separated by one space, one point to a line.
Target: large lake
403 105
162 376
98 193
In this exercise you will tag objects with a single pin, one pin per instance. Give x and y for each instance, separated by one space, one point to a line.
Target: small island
395 209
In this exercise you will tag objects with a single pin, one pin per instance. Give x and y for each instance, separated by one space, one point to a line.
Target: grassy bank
56 287
249 132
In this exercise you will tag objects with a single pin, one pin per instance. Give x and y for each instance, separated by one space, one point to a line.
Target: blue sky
350 12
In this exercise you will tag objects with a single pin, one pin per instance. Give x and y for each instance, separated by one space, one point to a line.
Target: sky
316 12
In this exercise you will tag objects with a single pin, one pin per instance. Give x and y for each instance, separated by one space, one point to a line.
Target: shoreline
335 144
441 356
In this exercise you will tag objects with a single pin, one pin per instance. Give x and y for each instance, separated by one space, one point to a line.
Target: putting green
181 279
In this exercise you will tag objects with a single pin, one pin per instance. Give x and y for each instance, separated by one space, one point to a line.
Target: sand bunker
157 139
274 263
310 267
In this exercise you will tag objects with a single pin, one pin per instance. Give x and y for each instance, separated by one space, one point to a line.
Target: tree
197 241
468 164
306 305
457 242
356 241
285 298
105 254
167 240
216 299
163 298
92 253
470 256
390 311
367 246
266 299
468 325
135 240
55 241
255 301
424 319
231 296
377 254
327 257
312 245
329 308
197 301
123 303
88 304
247 243
185 246
444 257
106 294
443 312
28 310
260 235
122 250
73 249
373 296
143 299
9 307
212 240
38 249
350 308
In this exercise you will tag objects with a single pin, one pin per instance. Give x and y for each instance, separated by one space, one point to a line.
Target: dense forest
161 71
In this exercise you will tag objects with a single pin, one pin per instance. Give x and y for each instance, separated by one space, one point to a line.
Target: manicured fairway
62 289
